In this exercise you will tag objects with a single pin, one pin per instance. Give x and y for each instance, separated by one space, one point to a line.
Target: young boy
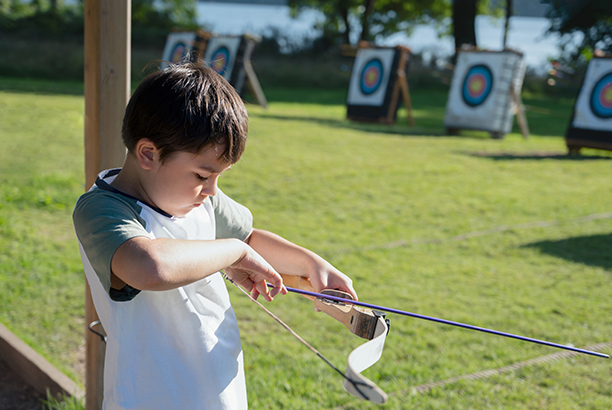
154 235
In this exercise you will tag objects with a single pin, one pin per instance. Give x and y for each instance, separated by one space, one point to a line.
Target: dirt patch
15 394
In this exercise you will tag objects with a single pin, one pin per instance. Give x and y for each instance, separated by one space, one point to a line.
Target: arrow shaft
447 322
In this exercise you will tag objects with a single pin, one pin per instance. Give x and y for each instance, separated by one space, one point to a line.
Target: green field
509 234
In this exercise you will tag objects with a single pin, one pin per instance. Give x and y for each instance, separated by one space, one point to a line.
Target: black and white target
370 77
178 46
479 97
593 109
221 54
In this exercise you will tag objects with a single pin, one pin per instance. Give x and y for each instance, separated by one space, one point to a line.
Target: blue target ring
371 76
178 53
220 60
601 97
477 85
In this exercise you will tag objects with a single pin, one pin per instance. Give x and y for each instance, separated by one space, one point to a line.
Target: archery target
477 85
593 109
479 97
221 54
220 60
601 97
178 45
370 76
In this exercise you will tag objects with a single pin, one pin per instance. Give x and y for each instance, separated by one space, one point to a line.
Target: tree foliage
349 21
150 18
591 18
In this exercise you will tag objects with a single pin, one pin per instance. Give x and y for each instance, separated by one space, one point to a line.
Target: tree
464 22
592 18
349 21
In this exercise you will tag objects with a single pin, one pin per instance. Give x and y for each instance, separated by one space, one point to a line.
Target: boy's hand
252 272
328 277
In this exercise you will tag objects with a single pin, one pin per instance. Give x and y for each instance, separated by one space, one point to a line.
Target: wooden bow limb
359 321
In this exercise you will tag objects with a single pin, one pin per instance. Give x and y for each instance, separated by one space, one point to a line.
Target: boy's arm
291 259
162 264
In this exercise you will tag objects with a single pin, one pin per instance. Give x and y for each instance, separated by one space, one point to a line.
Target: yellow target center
218 64
476 86
608 95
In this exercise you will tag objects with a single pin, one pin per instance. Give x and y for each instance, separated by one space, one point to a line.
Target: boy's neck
129 180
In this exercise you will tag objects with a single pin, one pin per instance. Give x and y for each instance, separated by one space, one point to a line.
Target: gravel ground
15 394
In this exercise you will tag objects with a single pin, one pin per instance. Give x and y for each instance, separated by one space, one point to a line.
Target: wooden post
107 89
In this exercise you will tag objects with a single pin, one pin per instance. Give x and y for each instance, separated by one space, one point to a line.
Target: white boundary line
488 373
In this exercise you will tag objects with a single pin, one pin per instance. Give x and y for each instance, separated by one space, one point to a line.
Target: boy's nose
210 189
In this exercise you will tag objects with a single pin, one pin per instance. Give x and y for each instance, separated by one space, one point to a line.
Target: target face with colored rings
601 97
371 76
178 53
477 85
220 60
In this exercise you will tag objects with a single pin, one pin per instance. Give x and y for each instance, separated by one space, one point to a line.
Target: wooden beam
35 369
107 89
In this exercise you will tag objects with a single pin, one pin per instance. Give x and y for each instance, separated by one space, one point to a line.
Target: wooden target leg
406 96
254 86
519 111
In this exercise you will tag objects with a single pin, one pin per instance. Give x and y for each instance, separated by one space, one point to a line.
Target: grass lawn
509 234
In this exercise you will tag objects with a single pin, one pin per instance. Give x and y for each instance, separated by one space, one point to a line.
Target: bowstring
355 383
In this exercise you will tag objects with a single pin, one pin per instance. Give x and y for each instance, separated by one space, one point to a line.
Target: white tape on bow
362 358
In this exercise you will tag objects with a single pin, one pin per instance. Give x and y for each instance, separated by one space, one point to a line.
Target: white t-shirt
174 349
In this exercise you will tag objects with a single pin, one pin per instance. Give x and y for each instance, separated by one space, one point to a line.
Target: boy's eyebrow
214 170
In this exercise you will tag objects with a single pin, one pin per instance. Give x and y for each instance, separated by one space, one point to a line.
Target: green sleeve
232 220
103 221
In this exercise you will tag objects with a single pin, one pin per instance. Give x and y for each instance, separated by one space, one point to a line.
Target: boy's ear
146 153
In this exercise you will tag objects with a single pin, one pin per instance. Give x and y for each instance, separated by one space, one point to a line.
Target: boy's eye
201 178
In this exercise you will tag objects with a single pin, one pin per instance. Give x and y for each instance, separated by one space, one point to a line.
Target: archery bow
362 322
365 323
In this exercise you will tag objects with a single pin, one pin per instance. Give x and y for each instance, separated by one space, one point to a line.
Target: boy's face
184 180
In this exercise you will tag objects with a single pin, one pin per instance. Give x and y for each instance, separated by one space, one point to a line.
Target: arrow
446 322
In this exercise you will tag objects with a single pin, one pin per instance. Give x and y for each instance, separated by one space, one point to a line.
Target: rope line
493 372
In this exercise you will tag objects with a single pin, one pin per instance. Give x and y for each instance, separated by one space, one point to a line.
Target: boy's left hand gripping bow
364 323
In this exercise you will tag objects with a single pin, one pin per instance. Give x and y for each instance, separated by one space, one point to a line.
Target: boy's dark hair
186 108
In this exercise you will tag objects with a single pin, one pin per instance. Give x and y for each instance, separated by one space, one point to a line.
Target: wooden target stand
591 122
384 109
203 46
493 108
240 71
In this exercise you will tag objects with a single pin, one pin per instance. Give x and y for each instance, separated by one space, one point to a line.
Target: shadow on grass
395 129
536 155
593 250
430 129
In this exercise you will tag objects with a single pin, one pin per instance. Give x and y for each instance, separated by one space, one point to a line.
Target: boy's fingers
277 285
254 293
262 289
